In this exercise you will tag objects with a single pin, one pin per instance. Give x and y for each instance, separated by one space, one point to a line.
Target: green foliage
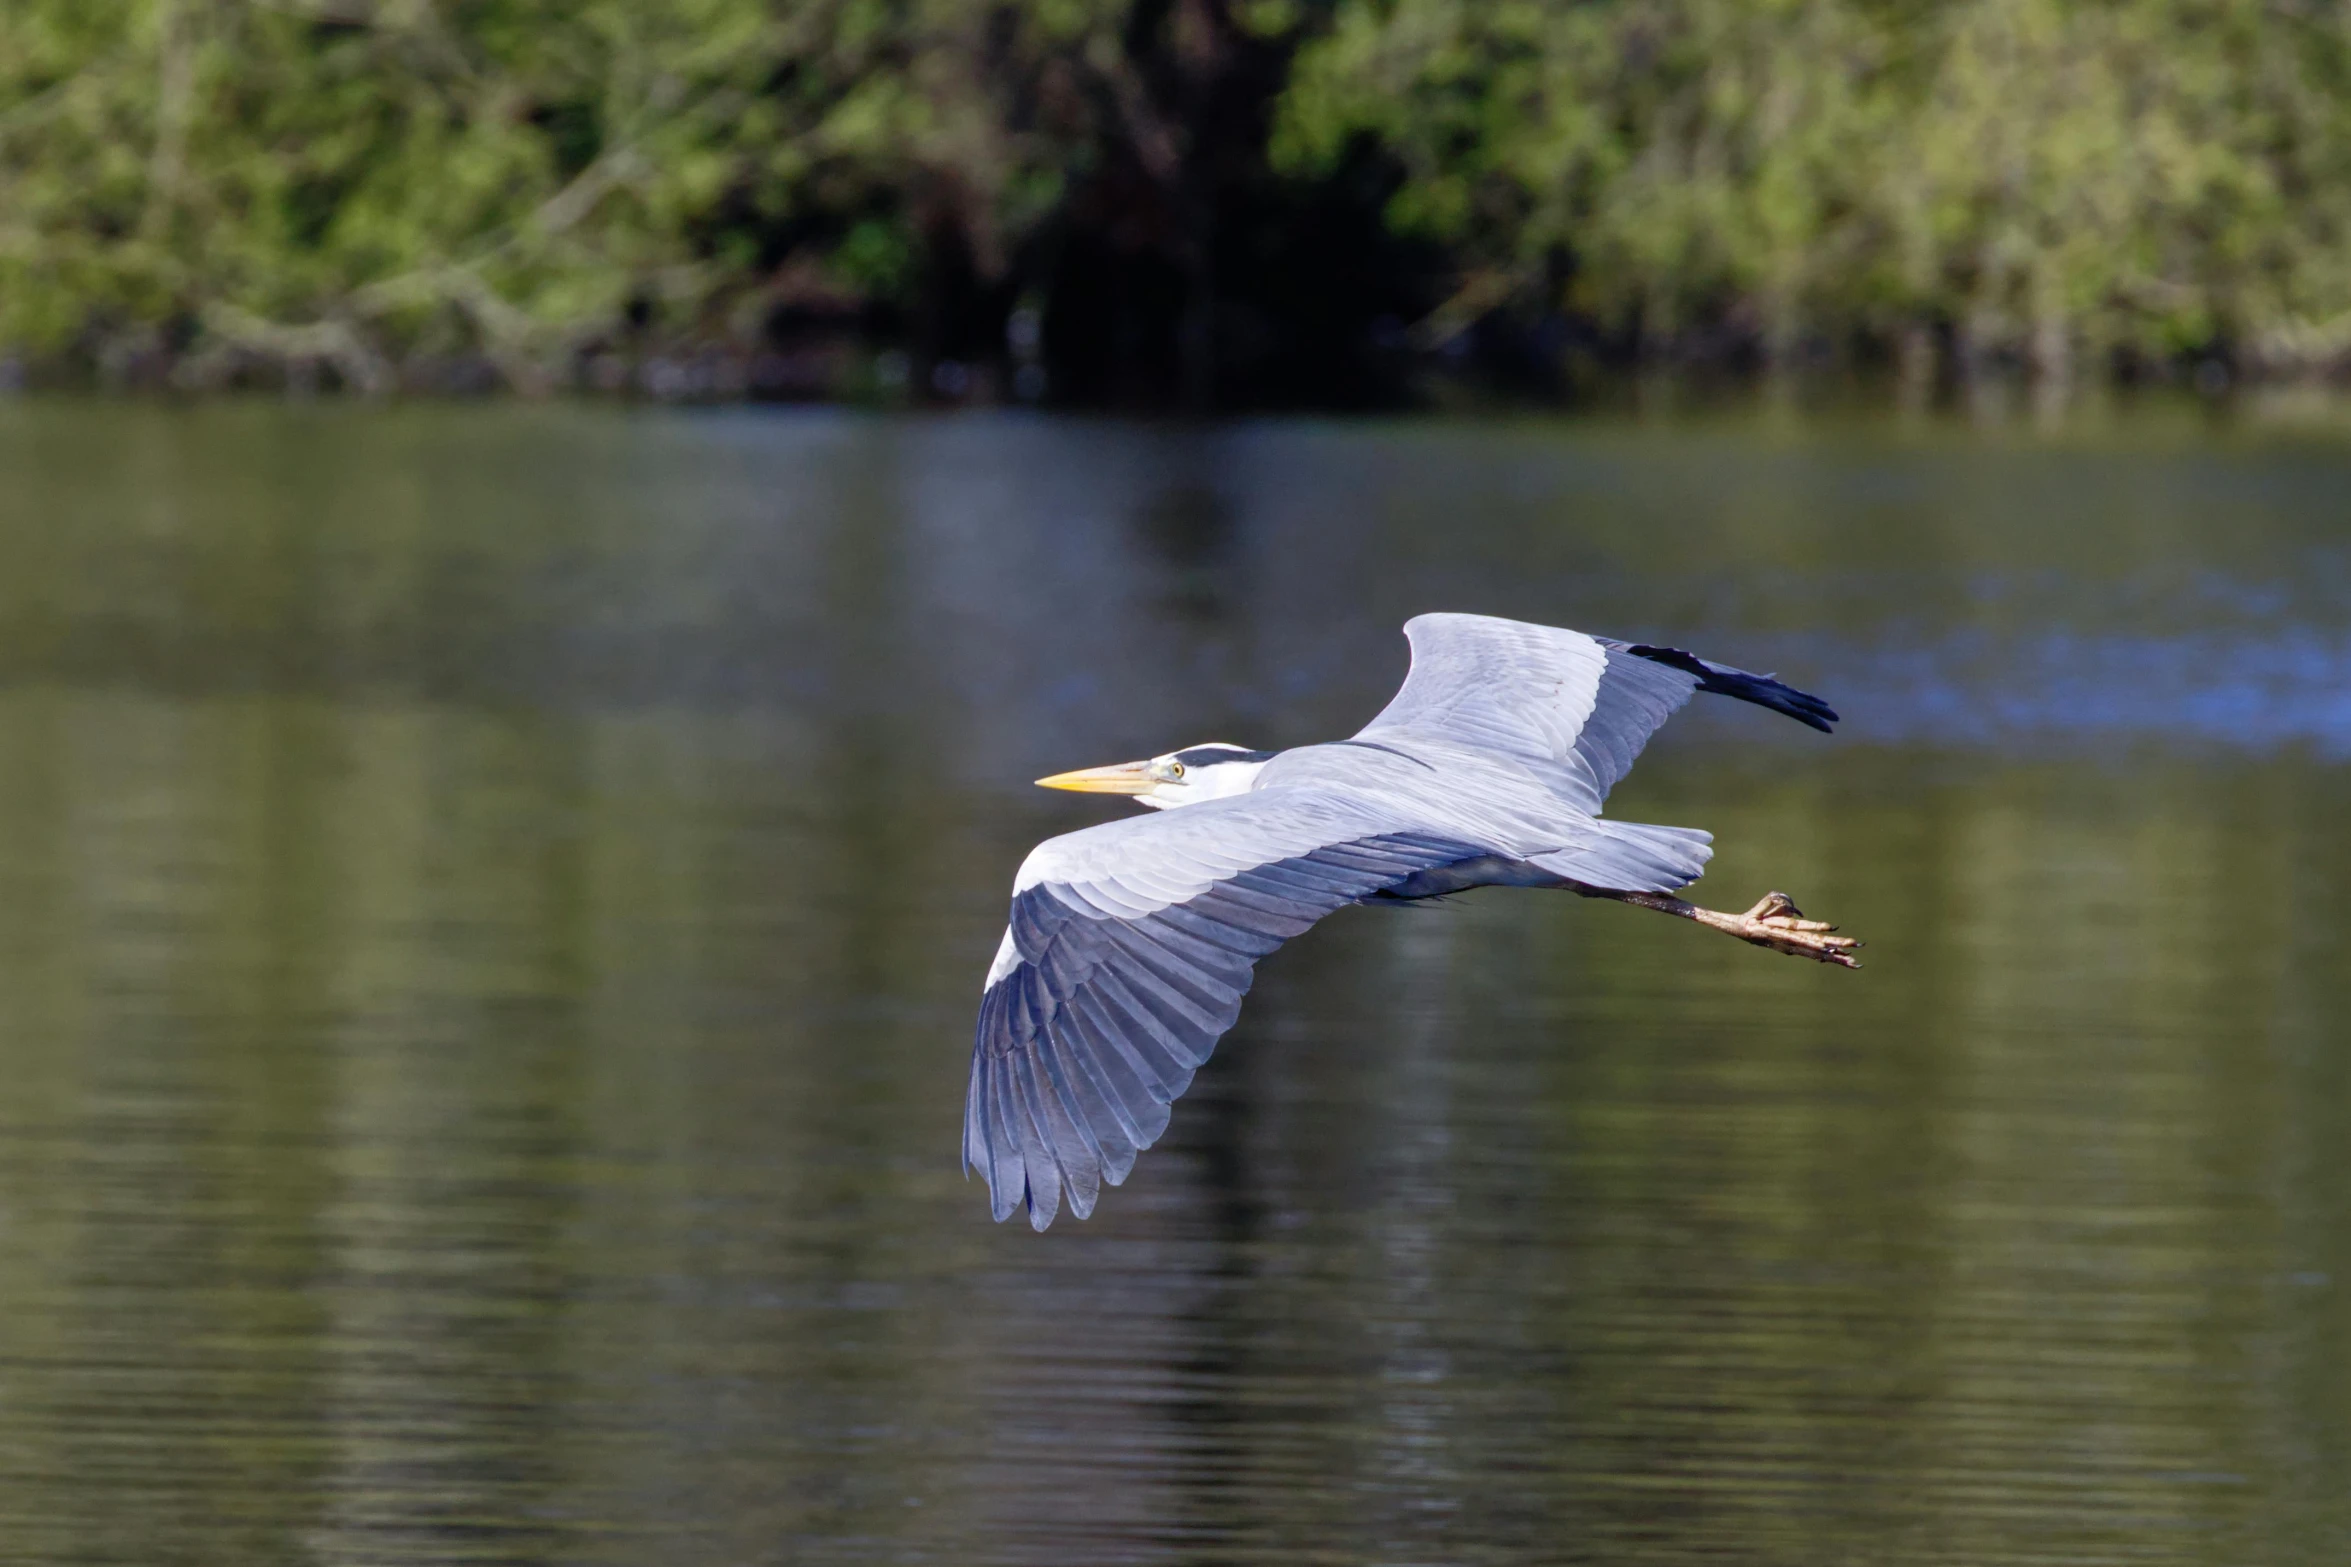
2043 175
351 181
341 177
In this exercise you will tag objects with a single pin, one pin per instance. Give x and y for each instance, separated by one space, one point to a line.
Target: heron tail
1633 857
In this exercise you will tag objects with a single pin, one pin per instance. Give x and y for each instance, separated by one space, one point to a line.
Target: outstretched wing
1575 708
1130 947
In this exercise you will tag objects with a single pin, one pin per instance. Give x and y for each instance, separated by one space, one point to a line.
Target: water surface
492 903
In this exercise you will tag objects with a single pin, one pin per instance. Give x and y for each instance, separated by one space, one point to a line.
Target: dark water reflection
492 901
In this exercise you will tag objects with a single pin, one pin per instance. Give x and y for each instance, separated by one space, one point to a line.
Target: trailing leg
1774 922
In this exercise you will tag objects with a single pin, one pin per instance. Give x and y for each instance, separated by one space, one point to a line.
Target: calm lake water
493 902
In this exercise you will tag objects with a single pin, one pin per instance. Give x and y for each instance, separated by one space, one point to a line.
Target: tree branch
175 98
330 342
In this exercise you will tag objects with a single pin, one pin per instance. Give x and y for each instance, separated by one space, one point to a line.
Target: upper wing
1130 947
1575 708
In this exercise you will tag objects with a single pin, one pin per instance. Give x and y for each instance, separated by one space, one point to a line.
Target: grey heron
1131 943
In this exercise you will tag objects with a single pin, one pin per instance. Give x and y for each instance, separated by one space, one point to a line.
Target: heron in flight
1132 943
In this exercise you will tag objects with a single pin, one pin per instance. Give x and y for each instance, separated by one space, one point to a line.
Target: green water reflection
492 903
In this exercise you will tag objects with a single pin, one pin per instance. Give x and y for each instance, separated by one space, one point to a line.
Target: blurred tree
206 184
325 179
2027 177
1191 192
320 179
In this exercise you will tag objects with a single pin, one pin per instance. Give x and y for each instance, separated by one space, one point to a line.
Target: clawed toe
1777 923
1806 944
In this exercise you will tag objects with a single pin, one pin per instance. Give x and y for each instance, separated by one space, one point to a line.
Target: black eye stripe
1209 756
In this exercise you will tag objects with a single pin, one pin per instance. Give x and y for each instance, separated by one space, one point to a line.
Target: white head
1197 772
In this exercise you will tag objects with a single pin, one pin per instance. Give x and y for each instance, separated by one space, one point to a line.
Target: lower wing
1130 948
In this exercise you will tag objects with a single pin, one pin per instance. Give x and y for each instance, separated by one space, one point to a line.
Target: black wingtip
1806 708
1762 690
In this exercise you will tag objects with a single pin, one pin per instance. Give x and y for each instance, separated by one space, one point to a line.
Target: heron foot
1777 923
1774 922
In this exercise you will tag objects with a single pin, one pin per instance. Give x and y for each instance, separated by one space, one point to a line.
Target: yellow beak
1125 778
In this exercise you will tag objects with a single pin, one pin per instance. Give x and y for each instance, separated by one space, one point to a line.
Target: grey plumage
1132 943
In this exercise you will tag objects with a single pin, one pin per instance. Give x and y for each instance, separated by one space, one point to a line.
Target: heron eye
1175 769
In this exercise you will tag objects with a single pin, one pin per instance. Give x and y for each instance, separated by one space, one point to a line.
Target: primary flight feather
1131 944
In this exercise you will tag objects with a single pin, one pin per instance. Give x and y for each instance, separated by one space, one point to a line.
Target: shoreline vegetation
1170 204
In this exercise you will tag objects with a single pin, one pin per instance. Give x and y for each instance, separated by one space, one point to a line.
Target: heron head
1197 772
